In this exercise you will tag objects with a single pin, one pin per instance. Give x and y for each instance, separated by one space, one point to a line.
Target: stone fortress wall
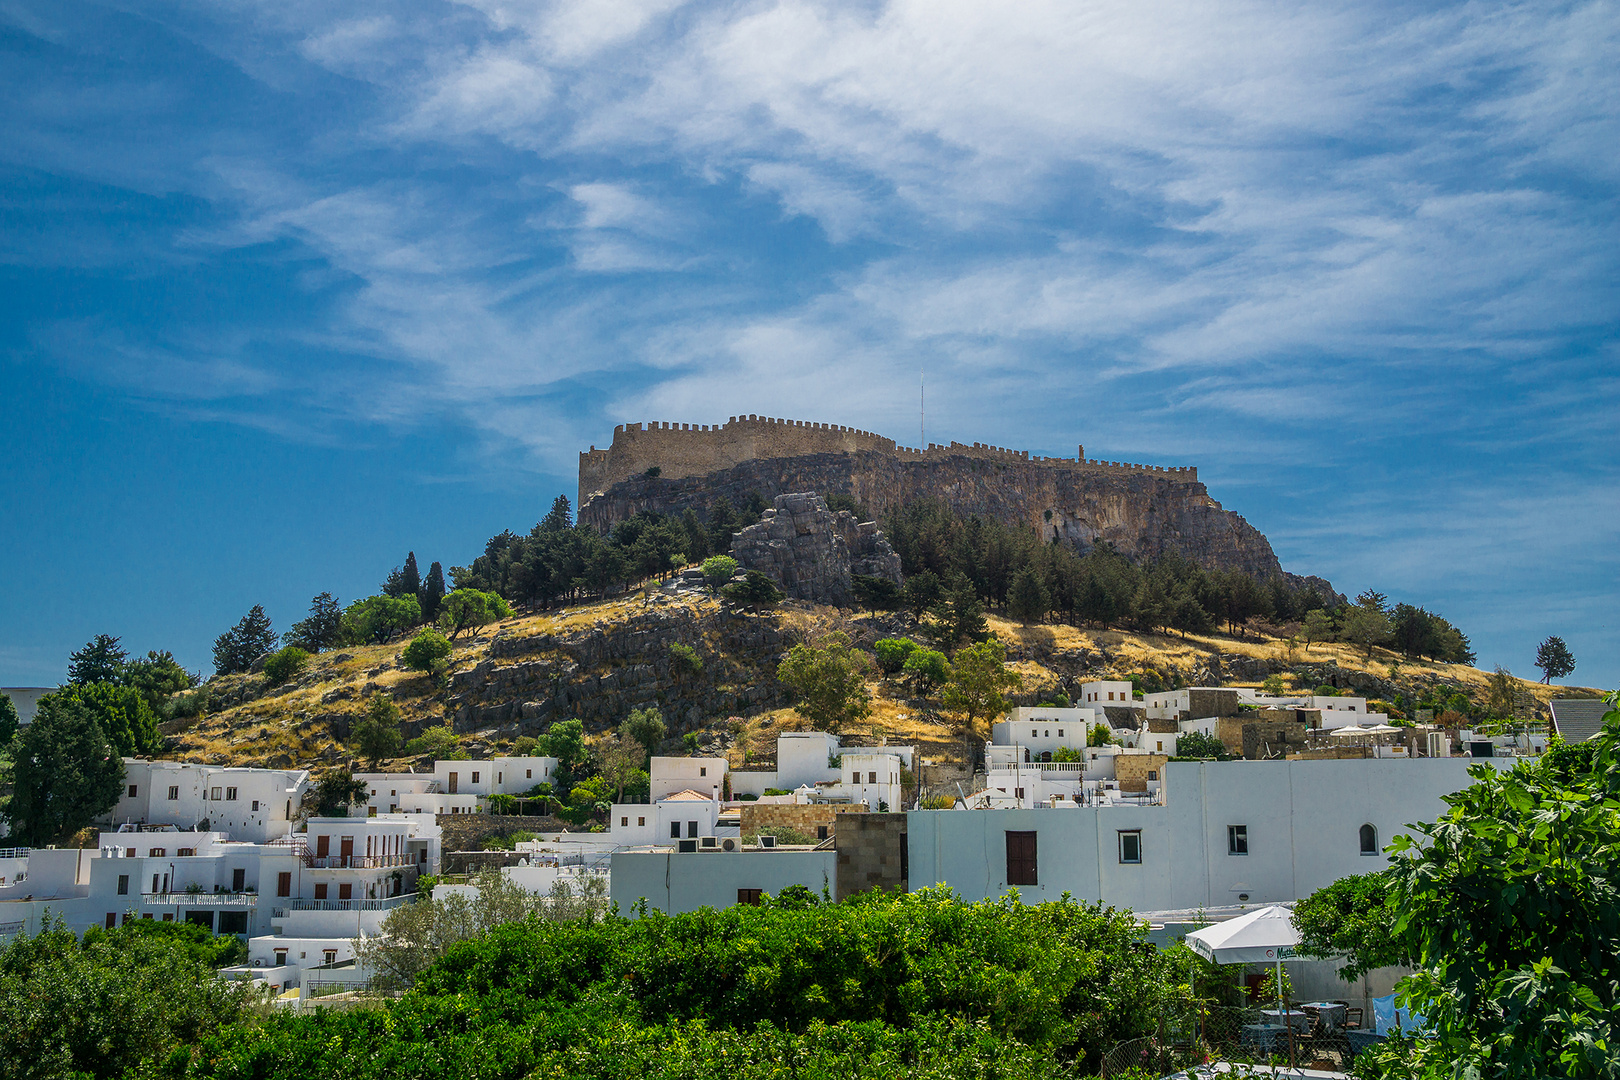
683 450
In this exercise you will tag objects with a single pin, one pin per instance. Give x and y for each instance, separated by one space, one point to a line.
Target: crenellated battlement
679 450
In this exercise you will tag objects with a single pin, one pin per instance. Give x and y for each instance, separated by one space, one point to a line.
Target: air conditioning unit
686 845
259 962
708 843
1437 744
767 841
729 845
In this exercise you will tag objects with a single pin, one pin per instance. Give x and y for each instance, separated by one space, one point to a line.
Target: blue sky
289 288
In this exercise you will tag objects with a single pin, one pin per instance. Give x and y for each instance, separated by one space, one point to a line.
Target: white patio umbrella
1264 936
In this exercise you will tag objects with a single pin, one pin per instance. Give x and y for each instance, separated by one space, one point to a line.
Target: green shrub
427 648
886 986
891 653
502 804
285 664
439 742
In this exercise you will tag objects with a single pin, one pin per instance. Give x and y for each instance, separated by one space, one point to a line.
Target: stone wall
811 552
806 819
467 832
1131 770
871 854
680 450
1143 512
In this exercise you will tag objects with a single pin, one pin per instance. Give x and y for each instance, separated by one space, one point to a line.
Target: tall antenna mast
922 410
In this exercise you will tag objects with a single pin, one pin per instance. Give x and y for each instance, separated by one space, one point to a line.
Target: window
230 794
123 884
329 956
821 832
1130 845
703 770
624 822
528 774
255 805
320 891
154 883
1161 744
500 778
748 896
1237 839
871 778
854 777
185 852
132 791
1369 840
691 830
1153 774
174 792
674 830
238 879
129 853
641 822
1060 733
112 920
1021 859
215 794
281 957
284 883
346 891
475 778
158 853
1019 794
1034 734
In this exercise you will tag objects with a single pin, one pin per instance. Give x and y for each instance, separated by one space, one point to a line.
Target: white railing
299 903
14 853
12 929
203 899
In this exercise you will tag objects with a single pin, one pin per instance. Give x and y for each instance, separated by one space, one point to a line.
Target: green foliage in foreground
108 1005
1509 909
882 986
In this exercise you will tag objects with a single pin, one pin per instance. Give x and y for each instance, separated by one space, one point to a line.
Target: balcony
298 903
357 862
14 852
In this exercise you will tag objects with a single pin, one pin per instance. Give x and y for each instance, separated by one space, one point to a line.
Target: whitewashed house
255 805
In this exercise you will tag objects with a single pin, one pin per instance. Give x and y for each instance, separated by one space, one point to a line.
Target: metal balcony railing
14 853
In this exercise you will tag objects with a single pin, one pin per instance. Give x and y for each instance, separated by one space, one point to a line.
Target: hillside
598 661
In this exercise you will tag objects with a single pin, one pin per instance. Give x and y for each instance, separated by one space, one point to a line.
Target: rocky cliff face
811 551
1143 514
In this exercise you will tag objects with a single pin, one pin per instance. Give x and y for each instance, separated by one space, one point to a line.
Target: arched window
1369 840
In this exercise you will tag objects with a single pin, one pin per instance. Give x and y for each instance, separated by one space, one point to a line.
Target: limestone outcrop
812 552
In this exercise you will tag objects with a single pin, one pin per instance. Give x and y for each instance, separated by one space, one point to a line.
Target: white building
455 787
1224 833
254 805
304 895
682 815
1104 693
673 881
669 775
821 769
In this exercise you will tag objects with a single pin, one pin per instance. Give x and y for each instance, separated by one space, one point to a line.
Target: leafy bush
756 590
507 842
684 661
439 742
718 570
887 986
504 804
111 1005
891 653
289 662
1195 744
427 648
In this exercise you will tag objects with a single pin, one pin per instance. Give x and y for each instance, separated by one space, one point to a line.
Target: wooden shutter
1021 859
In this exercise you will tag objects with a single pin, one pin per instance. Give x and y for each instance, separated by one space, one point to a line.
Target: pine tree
432 593
1027 600
322 629
1554 659
410 579
560 518
241 645
101 660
